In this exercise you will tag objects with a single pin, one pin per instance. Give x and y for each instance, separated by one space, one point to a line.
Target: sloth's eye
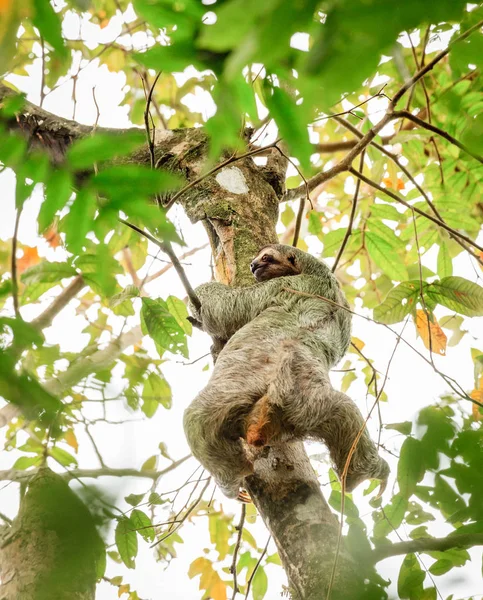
265 258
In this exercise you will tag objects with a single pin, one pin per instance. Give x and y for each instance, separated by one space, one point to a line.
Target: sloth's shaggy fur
281 346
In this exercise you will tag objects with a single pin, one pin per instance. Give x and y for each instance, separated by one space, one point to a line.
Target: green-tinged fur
281 345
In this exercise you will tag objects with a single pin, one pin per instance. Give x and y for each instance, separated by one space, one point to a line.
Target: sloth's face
270 263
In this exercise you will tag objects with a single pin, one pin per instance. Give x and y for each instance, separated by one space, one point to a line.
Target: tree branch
21 476
463 540
405 114
65 296
95 362
408 174
394 196
390 115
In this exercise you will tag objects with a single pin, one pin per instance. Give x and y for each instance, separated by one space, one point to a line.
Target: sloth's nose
253 266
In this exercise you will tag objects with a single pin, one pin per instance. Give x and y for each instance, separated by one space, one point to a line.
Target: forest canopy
148 146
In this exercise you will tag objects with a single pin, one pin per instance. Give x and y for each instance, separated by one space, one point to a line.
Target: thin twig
239 528
352 215
262 555
303 200
162 271
167 248
185 516
14 263
349 111
150 139
98 110
42 67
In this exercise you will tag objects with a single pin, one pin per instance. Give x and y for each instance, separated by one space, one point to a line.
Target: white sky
411 385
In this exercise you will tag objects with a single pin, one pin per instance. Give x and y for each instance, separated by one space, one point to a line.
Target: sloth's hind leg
218 449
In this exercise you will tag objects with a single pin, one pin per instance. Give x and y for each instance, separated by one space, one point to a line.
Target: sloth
271 381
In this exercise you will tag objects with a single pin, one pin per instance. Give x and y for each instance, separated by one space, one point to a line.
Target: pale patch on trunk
232 180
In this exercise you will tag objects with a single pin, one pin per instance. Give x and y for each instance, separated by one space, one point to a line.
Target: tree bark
239 208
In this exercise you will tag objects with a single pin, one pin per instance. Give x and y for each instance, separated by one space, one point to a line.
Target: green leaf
25 391
385 257
155 498
24 462
332 241
219 529
79 220
350 509
24 333
445 264
159 323
373 29
440 567
99 270
386 233
48 23
125 180
232 25
399 302
404 428
156 391
458 294
63 457
142 524
179 311
411 577
150 464
410 468
134 499
259 584
58 190
126 542
130 291
394 514
103 146
48 272
12 150
292 124
386 211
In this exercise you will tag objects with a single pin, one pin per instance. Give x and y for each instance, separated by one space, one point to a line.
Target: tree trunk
239 209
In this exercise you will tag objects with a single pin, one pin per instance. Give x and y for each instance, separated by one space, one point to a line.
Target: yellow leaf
125 588
431 330
218 590
359 344
477 394
198 566
70 439
210 580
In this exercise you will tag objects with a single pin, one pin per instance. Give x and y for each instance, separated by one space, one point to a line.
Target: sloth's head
273 261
